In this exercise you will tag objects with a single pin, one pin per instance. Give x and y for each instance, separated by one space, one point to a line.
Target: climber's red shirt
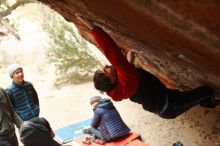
128 76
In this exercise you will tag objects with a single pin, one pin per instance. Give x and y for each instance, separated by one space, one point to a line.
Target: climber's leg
183 101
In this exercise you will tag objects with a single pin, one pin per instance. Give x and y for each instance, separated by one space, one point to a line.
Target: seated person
37 132
107 124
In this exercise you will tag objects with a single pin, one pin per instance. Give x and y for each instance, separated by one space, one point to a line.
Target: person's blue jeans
96 132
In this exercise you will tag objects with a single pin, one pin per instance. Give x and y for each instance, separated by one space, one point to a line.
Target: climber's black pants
167 103
178 102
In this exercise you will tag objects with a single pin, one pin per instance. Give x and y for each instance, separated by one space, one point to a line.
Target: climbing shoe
210 102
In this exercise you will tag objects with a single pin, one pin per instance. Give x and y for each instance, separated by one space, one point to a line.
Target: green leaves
69 52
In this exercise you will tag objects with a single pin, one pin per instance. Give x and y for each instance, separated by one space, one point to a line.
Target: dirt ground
198 127
69 104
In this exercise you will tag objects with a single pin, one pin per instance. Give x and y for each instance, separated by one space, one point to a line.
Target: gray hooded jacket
8 117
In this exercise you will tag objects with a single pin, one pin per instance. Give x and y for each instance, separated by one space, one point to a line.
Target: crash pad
68 133
132 139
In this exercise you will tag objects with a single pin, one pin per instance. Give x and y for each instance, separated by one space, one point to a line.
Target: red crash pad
136 142
132 139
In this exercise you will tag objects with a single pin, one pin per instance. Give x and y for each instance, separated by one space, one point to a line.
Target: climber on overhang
122 80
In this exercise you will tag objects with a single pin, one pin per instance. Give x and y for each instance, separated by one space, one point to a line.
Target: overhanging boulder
176 40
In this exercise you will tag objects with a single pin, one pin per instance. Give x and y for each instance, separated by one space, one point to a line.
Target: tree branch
9 28
14 6
8 12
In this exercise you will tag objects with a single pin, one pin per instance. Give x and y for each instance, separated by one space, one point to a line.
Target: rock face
178 41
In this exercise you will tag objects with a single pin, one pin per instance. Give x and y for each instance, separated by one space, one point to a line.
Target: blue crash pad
70 132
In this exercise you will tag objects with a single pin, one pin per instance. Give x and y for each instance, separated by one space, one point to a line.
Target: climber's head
105 79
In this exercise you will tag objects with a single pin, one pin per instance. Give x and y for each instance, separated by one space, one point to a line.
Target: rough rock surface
176 40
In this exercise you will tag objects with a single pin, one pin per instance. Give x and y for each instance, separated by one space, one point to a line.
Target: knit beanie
95 99
12 68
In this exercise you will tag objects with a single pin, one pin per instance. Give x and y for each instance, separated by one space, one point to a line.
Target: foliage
69 52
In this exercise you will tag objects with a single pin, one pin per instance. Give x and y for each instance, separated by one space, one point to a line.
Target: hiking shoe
99 141
86 130
178 144
87 140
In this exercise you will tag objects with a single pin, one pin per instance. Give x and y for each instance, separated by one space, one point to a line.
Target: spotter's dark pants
8 140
